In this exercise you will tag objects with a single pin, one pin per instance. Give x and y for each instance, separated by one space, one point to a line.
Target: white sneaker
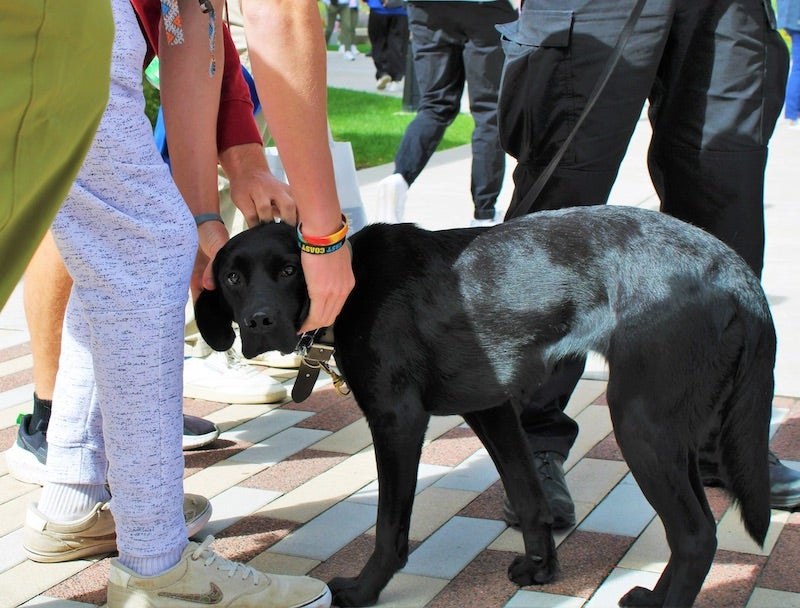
492 221
354 50
383 81
94 534
226 378
393 86
392 192
198 432
349 56
275 358
203 577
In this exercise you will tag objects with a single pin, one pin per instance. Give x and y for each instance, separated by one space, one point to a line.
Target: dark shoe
26 458
784 482
550 466
198 432
784 485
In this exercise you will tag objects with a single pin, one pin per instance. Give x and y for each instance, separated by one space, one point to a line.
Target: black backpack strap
523 205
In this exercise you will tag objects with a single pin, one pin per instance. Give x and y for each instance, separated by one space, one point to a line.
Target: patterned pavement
293 489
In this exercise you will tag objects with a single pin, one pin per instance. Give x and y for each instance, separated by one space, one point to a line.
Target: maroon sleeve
235 124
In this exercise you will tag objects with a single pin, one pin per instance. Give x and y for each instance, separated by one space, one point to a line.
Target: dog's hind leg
500 432
664 465
398 431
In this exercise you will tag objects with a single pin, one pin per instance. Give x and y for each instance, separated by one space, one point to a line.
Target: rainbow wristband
321 245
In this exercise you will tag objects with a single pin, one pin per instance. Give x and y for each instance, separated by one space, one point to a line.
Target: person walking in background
387 28
789 20
346 11
453 43
714 72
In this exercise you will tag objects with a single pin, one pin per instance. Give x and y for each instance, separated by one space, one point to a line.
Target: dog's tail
744 428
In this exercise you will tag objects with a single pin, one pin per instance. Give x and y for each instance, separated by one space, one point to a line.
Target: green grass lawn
372 123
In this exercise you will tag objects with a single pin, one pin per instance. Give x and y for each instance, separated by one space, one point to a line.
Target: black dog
470 321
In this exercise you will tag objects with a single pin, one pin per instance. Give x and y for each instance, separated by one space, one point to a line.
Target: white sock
151 565
63 502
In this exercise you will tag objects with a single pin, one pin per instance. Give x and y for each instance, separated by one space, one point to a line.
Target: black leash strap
523 205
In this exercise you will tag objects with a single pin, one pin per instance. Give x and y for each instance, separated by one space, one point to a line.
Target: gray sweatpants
128 241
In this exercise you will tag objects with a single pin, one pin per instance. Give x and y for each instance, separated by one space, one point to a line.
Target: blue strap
251 83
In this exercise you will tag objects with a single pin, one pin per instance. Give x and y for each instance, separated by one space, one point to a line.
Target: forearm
287 53
190 99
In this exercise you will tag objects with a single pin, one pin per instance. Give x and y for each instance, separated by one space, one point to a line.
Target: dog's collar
316 349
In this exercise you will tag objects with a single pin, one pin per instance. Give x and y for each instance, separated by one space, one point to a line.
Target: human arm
287 53
254 190
190 98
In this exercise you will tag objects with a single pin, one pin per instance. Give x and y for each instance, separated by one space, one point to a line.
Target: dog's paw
348 592
525 570
639 597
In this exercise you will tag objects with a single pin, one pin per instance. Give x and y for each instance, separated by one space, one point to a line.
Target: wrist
242 157
208 217
322 244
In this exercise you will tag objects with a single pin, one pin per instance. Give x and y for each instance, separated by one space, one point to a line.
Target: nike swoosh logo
213 596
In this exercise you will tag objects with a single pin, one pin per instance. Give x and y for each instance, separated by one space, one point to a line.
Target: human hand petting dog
212 236
256 192
329 279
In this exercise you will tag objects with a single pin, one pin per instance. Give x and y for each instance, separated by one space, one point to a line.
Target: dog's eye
232 278
288 270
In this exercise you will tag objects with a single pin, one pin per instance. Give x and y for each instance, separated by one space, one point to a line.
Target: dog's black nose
257 320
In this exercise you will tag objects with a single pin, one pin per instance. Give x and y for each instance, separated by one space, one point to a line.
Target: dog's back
643 285
639 285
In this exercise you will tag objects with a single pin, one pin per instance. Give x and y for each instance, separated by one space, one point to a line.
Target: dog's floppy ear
214 319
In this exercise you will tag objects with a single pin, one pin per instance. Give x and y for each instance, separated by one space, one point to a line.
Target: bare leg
46 291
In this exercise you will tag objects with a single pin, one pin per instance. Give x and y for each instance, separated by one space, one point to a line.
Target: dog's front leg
397 435
501 434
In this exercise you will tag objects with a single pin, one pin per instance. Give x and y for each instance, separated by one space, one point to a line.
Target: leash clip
305 342
315 357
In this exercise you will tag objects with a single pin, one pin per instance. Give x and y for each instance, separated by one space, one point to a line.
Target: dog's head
260 286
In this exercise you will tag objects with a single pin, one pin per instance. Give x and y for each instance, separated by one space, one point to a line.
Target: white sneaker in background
492 221
227 378
354 50
274 358
393 86
349 56
383 81
392 193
